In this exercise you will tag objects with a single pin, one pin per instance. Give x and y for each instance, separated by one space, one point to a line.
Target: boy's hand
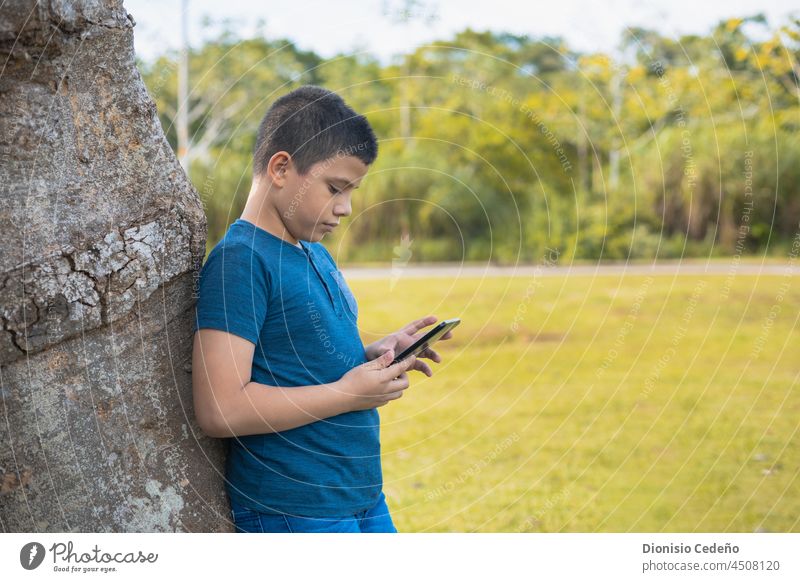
400 340
375 383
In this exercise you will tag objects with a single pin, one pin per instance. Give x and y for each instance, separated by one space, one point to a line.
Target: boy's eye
332 189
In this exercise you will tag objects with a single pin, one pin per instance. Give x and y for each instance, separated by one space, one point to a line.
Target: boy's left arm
401 339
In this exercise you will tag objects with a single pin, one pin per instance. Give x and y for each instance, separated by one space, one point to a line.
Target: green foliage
495 146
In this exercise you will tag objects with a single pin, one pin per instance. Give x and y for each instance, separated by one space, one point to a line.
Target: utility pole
182 122
584 172
616 104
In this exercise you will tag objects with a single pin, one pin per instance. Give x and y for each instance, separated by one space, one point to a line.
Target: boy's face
312 204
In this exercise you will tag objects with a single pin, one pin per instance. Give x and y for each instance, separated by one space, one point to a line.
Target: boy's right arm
228 404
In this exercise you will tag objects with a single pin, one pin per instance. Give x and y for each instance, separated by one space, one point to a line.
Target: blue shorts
374 520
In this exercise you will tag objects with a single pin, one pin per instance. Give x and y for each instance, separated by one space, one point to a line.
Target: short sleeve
232 292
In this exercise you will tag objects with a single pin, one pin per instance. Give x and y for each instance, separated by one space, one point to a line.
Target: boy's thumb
386 358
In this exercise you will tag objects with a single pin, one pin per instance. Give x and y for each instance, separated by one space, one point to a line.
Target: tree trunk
102 237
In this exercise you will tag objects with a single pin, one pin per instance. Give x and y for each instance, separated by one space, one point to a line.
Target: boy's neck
261 213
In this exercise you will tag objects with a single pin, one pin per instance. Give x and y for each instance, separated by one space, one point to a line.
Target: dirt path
450 270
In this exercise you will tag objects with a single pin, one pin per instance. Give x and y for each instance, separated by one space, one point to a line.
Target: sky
376 26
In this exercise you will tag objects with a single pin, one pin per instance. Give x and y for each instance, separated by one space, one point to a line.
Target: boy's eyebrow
343 180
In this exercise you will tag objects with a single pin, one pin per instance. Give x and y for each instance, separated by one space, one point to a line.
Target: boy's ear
278 166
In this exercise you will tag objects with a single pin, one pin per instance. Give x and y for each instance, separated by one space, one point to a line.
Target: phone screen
428 339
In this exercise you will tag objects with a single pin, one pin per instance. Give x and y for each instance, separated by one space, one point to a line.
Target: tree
103 236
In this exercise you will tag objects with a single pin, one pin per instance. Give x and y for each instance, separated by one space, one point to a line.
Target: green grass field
596 404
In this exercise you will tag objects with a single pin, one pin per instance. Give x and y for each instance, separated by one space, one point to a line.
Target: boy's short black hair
313 124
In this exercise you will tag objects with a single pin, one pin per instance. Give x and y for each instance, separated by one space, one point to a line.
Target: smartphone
428 339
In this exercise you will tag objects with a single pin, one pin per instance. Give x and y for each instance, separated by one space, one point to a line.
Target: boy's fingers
400 367
418 324
431 355
424 368
399 383
382 361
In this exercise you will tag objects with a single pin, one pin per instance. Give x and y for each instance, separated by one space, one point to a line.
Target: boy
278 364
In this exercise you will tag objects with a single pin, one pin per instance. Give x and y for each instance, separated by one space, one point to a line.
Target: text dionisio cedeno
700 548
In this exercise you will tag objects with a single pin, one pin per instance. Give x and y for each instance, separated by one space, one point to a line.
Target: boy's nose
343 209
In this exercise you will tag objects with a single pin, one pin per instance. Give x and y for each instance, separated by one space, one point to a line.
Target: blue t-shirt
295 306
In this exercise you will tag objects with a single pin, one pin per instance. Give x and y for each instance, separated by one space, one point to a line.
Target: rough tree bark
102 238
